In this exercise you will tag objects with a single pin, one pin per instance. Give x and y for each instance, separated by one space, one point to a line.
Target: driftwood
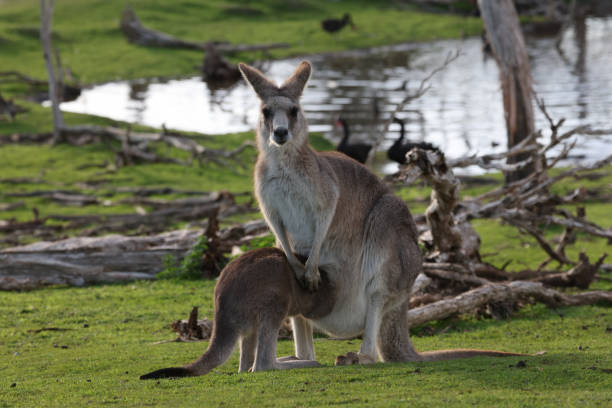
500 292
79 261
526 204
113 258
580 276
138 34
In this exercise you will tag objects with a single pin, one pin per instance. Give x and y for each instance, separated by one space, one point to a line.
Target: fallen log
500 292
113 258
138 34
79 261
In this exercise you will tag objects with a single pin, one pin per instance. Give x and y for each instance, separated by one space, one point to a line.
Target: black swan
332 25
358 151
397 151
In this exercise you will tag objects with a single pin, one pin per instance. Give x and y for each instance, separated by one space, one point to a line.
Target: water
461 112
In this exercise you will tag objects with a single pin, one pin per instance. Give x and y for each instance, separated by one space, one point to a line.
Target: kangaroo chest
292 199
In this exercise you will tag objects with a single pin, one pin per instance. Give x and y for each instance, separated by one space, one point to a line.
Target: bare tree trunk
46 18
504 34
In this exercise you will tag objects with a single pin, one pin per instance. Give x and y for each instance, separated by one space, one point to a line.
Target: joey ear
294 85
260 84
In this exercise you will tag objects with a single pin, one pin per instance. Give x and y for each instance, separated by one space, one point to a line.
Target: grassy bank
91 44
108 333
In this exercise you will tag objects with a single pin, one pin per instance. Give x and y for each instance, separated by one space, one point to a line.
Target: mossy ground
111 328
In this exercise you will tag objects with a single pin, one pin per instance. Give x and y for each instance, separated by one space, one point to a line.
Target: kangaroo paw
312 278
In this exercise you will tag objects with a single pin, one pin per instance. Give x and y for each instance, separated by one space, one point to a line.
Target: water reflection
462 112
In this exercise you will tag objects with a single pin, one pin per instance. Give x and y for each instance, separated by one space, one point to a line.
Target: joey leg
248 346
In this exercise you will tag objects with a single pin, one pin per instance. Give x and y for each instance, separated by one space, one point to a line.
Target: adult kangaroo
334 211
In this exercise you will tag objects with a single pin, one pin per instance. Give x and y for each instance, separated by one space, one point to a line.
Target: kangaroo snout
281 135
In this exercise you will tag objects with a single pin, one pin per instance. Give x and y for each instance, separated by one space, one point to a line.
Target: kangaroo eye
267 112
293 111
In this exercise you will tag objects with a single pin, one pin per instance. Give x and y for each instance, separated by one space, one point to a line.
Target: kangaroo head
281 120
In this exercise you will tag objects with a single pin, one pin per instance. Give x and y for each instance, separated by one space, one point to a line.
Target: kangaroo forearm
279 231
321 230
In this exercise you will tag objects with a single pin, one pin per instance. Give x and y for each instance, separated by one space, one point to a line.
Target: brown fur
345 219
253 296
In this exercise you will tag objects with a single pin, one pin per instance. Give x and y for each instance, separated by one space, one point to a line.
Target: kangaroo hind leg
394 344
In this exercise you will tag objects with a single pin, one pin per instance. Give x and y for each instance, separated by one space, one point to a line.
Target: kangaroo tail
222 342
464 353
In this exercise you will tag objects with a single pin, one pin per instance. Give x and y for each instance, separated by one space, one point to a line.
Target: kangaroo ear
260 84
295 84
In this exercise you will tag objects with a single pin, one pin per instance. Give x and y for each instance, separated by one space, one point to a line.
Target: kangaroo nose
280 135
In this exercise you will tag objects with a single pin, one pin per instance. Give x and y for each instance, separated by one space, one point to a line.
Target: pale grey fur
333 210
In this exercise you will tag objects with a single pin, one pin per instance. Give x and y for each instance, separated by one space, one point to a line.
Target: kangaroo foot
287 358
351 358
288 365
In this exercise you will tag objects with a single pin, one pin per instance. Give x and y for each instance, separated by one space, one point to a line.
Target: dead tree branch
500 292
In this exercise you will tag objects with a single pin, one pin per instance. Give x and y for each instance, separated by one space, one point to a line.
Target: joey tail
223 340
171 372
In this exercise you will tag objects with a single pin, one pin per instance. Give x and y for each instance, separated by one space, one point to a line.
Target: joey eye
267 112
293 111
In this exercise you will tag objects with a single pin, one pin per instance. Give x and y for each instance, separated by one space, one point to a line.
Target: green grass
90 42
101 363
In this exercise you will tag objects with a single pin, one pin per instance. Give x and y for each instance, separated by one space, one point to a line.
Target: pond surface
461 112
